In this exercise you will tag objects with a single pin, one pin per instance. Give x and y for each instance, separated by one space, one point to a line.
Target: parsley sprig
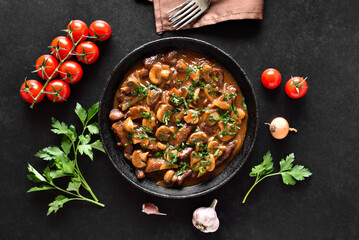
61 164
289 172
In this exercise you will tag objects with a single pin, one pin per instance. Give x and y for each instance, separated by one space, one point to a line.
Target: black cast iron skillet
108 137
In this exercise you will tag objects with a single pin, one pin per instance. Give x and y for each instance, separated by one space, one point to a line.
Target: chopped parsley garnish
229 96
178 100
147 115
183 166
166 118
190 70
147 129
142 90
179 123
244 104
217 152
195 115
233 108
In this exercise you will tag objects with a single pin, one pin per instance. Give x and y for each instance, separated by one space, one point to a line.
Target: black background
316 39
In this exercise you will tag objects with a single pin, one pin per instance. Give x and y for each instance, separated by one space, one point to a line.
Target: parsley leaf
81 113
40 188
58 203
265 167
289 173
59 163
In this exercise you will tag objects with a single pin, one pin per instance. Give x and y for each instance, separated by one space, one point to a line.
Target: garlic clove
150 208
205 219
214 227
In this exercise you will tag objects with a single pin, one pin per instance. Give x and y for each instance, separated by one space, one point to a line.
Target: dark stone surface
317 39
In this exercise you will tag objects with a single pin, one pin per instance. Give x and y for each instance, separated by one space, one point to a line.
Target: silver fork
189 11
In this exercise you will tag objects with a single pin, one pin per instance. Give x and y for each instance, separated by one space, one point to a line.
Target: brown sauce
179 118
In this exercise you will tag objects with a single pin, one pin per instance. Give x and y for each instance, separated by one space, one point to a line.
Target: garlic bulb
205 219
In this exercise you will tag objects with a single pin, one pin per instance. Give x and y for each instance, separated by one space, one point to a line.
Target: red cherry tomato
71 72
87 52
271 78
101 30
61 47
59 88
79 30
296 87
30 89
46 65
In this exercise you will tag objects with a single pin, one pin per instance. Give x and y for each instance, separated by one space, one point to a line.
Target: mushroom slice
153 96
163 133
182 92
130 85
241 114
165 74
167 178
197 138
212 118
139 136
163 112
212 165
135 112
130 102
161 146
116 115
191 116
221 104
155 74
168 156
181 66
230 129
196 94
216 149
139 158
195 75
149 121
210 92
128 125
194 159
207 73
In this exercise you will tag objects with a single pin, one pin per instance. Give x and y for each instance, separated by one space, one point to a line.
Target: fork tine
182 10
179 17
188 21
179 6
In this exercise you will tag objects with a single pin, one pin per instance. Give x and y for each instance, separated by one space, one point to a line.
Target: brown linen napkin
219 11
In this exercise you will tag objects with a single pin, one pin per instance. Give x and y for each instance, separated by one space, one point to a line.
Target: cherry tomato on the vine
30 89
100 29
87 52
71 72
61 47
57 88
46 65
79 30
271 78
296 87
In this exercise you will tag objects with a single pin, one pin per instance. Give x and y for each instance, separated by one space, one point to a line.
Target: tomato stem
56 70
